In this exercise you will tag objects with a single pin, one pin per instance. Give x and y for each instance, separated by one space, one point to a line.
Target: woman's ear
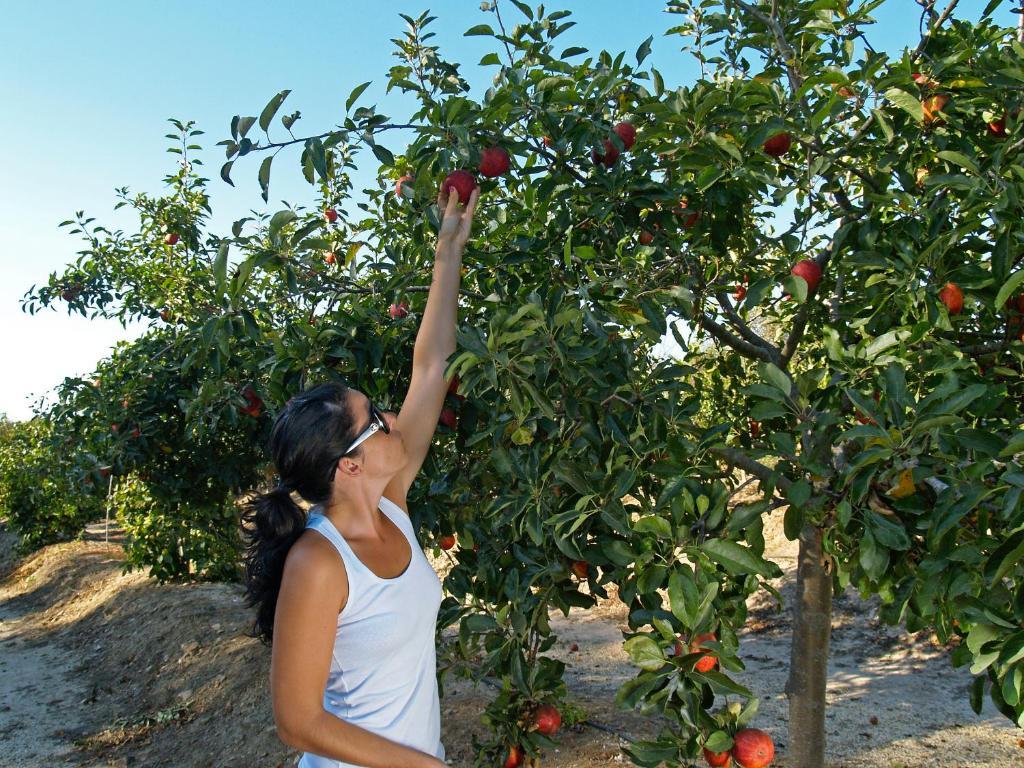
349 466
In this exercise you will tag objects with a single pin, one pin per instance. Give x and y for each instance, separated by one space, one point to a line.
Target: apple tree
828 230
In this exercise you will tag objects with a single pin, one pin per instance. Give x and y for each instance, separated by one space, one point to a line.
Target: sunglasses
377 424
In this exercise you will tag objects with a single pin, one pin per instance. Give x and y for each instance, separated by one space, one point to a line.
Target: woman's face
383 453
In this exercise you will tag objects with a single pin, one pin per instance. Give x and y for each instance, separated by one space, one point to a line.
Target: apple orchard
832 234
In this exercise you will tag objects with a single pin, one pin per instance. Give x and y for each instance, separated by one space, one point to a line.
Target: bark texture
808 663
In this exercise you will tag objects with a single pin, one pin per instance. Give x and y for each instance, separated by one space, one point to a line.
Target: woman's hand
456 222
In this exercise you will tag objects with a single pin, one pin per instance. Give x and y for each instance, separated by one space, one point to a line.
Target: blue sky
87 88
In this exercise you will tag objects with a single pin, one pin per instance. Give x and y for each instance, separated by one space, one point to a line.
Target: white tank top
384 667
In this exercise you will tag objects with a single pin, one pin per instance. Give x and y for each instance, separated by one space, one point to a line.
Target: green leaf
383 154
958 158
654 524
799 493
225 172
278 222
644 50
737 559
271 109
356 93
708 176
719 741
220 267
907 102
264 176
480 623
244 124
479 29
888 533
526 10
793 522
683 597
774 376
1010 286
1013 649
574 50
645 653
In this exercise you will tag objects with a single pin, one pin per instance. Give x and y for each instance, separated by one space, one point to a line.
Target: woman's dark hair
309 435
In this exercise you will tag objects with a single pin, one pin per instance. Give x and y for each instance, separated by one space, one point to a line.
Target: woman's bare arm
435 342
313 588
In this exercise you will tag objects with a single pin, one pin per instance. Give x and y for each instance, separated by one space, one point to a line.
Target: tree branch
750 466
745 331
743 347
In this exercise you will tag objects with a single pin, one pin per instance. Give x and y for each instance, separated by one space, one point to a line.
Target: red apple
462 181
114 428
923 81
690 216
753 748
932 107
401 309
331 215
446 542
548 141
165 315
255 402
707 662
608 158
448 418
998 127
494 161
717 759
740 293
755 428
407 179
646 237
171 238
953 298
515 757
548 719
581 568
136 432
626 132
809 270
453 387
330 258
778 145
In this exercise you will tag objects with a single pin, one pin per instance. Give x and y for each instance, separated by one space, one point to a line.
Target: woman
346 597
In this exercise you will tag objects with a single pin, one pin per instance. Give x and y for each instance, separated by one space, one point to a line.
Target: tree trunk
808 661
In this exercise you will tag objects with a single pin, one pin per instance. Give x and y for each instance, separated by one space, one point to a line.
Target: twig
938 23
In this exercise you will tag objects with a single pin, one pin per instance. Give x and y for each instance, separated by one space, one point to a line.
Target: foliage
43 497
577 440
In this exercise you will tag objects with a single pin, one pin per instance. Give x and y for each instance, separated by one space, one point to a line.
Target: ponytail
271 523
308 436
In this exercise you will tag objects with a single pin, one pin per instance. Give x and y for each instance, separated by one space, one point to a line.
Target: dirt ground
103 669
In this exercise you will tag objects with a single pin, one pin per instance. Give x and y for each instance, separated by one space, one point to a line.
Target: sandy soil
103 669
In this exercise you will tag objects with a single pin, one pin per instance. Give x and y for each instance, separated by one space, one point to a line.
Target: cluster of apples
546 720
935 101
751 748
255 406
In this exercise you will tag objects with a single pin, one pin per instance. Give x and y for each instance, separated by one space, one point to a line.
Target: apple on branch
462 181
403 181
494 161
